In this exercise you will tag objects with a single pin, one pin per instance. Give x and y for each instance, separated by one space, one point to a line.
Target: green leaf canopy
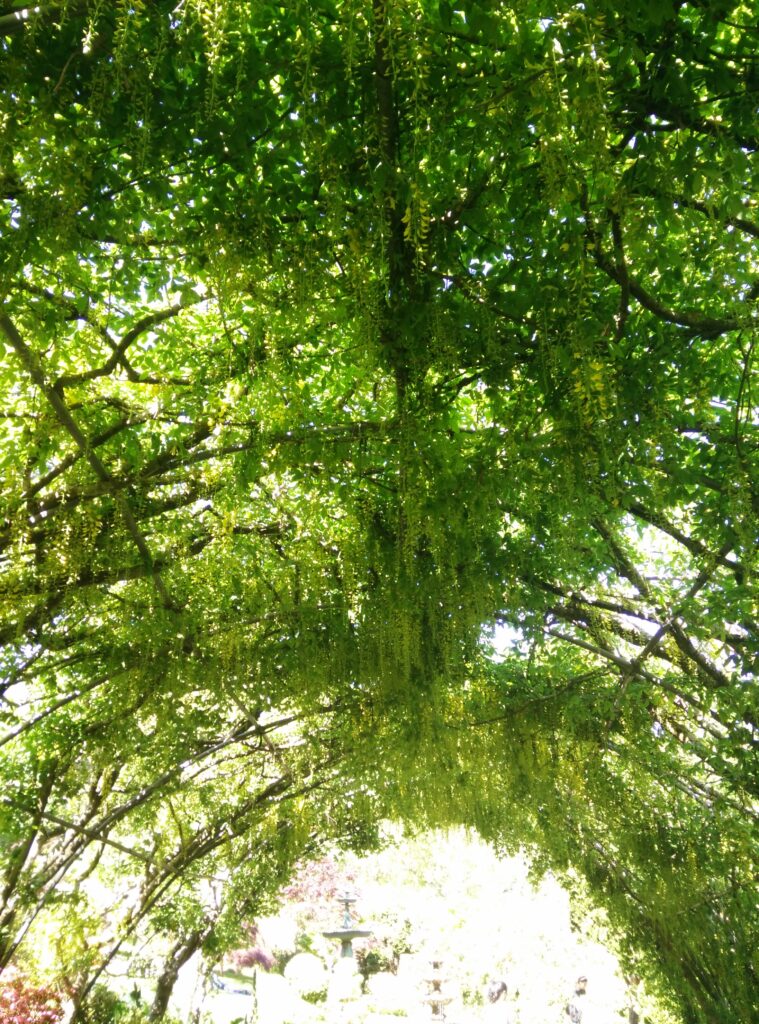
340 337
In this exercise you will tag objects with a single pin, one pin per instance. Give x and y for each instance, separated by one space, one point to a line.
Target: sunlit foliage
338 335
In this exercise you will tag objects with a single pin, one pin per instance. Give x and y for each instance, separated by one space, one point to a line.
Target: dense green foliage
336 335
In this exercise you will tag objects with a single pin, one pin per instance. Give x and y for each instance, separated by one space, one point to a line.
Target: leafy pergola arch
335 335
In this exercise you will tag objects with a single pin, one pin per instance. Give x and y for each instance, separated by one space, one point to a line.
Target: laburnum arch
339 335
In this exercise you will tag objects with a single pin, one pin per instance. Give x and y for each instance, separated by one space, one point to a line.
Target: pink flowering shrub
254 955
24 1003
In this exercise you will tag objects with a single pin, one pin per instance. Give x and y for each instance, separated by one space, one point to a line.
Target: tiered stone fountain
344 989
347 933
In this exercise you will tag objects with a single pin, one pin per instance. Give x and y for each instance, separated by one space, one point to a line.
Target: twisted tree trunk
175 961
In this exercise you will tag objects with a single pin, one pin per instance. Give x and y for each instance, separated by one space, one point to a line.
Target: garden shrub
21 1002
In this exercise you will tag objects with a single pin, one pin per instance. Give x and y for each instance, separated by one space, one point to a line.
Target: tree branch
151 320
33 366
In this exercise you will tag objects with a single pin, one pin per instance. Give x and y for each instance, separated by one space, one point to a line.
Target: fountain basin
346 937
